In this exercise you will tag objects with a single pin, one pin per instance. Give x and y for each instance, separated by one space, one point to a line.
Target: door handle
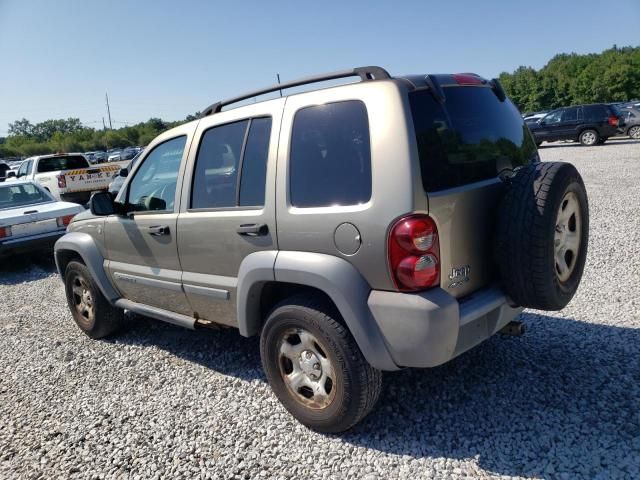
252 229
158 230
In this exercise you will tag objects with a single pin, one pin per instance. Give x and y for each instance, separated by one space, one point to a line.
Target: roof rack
365 74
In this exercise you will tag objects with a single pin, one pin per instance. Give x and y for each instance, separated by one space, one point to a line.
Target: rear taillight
5 232
64 221
414 253
613 121
62 181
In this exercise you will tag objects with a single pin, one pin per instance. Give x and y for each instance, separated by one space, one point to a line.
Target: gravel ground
563 401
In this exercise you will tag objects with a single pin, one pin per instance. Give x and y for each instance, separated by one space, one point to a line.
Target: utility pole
108 111
104 127
278 75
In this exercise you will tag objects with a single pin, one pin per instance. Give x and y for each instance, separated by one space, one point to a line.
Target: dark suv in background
588 124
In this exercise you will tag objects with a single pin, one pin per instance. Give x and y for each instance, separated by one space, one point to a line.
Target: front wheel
589 138
315 367
91 311
634 132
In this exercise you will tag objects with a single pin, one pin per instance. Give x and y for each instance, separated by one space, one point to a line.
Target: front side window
22 171
553 117
330 157
154 186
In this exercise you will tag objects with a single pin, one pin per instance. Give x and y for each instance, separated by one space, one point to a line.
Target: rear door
464 143
228 209
142 245
569 123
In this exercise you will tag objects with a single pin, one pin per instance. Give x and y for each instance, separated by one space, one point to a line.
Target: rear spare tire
542 235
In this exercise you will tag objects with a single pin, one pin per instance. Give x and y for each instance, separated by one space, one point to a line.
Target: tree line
69 135
568 79
571 79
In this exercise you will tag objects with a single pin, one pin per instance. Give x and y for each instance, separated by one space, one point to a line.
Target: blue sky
171 58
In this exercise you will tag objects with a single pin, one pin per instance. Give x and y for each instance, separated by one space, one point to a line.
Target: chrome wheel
634 132
567 236
589 138
82 299
306 368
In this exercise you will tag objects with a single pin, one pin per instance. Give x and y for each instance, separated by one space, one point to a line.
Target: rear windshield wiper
435 88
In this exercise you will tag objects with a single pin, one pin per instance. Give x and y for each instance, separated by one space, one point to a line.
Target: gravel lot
563 401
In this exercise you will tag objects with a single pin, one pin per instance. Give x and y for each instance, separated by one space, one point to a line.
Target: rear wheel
589 138
634 132
542 236
90 309
314 366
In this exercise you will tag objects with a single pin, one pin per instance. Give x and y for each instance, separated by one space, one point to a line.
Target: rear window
330 158
472 137
68 162
20 195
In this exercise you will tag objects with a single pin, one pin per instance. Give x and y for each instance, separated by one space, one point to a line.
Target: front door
142 248
550 127
227 209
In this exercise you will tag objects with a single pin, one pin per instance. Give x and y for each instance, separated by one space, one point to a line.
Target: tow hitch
514 328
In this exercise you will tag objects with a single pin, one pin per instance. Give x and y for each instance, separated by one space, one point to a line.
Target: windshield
473 136
68 162
20 195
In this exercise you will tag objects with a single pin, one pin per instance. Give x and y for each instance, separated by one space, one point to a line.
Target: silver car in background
30 218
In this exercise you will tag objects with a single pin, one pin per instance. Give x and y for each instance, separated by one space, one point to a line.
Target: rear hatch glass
470 137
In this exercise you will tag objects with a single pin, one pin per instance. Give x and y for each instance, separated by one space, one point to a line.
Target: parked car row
112 155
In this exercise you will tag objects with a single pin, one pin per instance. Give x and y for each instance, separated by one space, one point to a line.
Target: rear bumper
430 328
41 241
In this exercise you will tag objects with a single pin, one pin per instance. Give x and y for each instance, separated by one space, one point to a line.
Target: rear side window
330 157
473 136
61 163
226 153
595 113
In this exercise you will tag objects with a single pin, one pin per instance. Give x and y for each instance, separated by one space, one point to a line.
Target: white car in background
30 218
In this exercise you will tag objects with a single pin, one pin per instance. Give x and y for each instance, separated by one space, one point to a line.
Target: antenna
108 111
278 76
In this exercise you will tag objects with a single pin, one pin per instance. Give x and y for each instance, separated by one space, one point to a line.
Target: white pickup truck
68 176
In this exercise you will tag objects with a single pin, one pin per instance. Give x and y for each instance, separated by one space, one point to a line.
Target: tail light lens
613 121
64 221
62 181
414 253
5 232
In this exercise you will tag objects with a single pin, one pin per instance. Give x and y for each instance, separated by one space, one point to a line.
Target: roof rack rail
365 74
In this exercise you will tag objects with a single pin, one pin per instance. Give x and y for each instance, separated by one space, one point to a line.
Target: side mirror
541 122
101 204
124 172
